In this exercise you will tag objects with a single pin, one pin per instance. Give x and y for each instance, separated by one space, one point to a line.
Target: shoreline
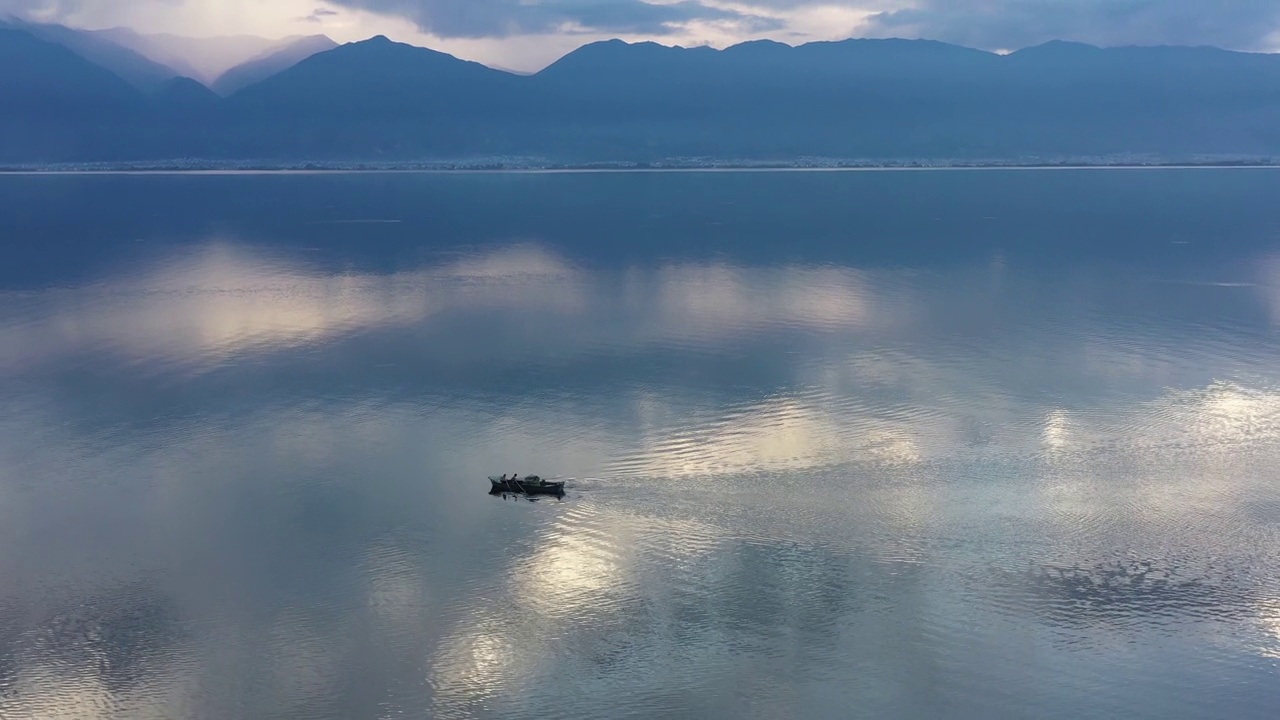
446 168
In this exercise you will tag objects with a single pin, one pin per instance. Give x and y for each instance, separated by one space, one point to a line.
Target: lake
918 444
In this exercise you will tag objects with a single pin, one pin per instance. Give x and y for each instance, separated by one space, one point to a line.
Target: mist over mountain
139 71
643 102
201 58
271 63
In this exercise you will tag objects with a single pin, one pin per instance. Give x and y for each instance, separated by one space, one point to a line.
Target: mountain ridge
200 58
138 70
268 64
763 100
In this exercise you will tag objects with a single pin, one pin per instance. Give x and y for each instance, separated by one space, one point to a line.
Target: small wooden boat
529 485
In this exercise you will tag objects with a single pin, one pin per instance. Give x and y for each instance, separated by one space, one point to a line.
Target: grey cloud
319 15
27 8
1235 24
58 10
500 18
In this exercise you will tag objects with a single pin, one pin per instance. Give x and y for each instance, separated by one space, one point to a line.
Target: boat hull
527 488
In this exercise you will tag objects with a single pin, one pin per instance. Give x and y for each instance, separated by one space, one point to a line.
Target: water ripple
240 480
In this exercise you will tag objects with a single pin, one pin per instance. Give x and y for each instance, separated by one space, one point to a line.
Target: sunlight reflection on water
238 481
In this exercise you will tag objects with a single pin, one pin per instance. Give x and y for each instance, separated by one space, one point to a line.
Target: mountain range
224 64
68 96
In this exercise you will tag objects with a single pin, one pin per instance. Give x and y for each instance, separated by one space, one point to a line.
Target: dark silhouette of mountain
183 93
1189 99
902 98
264 66
181 118
141 72
41 79
871 99
375 98
763 98
56 105
377 74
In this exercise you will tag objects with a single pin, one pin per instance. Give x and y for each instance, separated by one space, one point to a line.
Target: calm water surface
882 445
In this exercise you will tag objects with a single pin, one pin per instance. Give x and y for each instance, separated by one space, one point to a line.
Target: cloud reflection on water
225 301
938 445
861 389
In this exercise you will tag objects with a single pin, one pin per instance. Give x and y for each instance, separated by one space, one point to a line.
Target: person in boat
504 477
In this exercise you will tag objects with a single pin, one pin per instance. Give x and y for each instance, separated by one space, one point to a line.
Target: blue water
964 444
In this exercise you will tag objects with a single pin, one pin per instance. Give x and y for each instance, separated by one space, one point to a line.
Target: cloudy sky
527 34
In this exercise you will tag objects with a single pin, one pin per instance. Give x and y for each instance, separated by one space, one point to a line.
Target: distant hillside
379 99
44 80
201 58
271 63
139 71
615 101
897 98
56 105
184 94
382 76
